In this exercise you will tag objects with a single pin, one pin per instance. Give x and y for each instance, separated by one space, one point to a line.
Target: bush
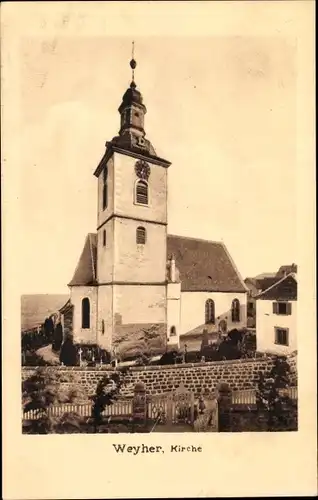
227 350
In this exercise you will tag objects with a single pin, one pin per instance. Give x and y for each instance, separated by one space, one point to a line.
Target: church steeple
132 110
132 135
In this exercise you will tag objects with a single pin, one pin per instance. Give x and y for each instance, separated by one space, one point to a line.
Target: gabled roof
284 289
204 265
257 285
85 272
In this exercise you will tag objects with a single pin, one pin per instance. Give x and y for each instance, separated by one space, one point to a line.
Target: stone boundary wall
239 374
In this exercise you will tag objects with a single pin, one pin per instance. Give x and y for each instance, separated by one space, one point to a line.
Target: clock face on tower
142 170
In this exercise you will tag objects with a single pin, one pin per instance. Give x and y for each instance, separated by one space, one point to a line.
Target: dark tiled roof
85 272
284 270
284 289
264 283
204 265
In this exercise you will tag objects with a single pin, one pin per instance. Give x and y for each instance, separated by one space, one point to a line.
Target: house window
103 327
209 311
85 313
173 331
104 238
281 336
142 193
236 311
282 308
105 188
141 235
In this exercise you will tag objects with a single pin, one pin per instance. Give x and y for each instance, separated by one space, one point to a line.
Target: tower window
104 238
141 235
142 193
105 188
236 311
209 311
85 313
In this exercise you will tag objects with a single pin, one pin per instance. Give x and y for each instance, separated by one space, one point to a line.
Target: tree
107 391
68 353
272 401
57 337
40 392
205 341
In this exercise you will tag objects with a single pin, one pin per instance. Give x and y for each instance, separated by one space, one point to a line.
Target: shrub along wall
239 374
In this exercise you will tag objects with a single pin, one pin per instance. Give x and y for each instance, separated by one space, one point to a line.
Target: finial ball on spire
133 64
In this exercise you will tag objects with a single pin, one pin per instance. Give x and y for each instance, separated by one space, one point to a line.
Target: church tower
131 233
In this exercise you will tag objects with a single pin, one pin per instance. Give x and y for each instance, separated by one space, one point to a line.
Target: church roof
204 265
85 272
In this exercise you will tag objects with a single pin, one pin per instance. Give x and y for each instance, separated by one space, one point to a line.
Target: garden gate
173 407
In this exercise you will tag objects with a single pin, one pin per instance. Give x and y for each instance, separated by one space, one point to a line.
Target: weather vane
133 64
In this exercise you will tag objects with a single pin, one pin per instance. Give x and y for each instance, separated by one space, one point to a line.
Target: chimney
172 269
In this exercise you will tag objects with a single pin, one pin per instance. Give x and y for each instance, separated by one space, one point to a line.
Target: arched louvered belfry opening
141 235
141 192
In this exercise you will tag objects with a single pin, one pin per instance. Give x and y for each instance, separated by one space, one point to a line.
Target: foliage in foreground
43 390
107 392
274 405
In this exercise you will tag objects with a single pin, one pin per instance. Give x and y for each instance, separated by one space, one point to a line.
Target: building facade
276 318
136 288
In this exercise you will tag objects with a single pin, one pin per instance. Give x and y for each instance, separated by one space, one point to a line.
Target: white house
136 285
276 317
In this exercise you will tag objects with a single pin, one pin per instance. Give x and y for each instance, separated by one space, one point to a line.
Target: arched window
85 313
141 235
236 311
209 311
173 331
142 192
104 238
105 188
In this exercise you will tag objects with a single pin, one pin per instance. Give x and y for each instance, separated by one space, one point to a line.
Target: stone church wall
159 379
139 263
78 293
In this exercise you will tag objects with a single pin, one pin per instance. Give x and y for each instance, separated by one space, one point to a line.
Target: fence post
139 404
224 398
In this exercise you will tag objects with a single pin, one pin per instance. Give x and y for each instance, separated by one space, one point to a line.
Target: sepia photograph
181 306
159 297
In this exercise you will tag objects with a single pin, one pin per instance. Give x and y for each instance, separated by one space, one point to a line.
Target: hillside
35 308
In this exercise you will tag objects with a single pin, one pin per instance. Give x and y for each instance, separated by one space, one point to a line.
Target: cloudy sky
221 109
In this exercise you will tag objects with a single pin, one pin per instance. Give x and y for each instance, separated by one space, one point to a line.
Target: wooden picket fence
161 407
248 396
121 408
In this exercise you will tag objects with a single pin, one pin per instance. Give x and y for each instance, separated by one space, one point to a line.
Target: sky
222 109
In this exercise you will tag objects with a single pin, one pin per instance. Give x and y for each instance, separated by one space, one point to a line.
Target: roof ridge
293 275
193 238
92 256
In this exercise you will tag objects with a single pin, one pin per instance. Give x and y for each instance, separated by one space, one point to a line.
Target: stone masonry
239 374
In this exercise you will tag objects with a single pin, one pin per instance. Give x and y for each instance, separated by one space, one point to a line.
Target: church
137 288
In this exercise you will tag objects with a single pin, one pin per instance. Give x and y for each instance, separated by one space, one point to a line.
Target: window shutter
288 308
275 308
